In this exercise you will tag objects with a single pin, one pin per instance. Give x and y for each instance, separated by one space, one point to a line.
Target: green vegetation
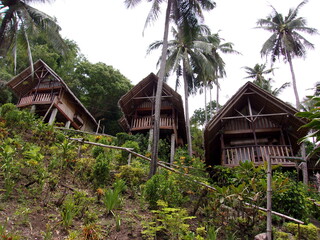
50 191
48 188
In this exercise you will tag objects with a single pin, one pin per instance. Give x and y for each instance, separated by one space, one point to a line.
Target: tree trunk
217 102
156 126
210 100
294 83
205 103
189 141
5 21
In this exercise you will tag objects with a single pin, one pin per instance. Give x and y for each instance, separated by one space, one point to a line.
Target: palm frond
293 13
153 13
131 3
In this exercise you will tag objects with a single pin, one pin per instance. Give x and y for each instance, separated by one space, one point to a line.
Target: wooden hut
48 96
253 124
138 104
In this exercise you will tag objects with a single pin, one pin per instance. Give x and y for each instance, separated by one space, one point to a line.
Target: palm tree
215 67
153 15
183 57
257 74
19 18
286 40
176 10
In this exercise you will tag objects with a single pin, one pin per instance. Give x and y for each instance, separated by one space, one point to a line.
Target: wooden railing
38 98
146 123
232 156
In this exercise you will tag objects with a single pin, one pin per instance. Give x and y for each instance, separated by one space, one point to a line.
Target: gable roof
22 83
133 98
262 100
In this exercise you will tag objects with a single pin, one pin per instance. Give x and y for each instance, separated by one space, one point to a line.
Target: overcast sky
107 32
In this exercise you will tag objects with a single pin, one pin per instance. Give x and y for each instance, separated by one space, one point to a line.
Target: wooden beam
150 97
261 115
258 130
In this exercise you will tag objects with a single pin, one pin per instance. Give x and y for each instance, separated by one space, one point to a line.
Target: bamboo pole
80 131
184 174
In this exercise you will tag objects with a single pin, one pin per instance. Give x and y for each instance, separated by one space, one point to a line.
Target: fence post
269 197
129 159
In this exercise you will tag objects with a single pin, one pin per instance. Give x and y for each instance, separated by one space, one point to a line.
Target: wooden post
129 158
33 108
150 139
172 148
98 126
304 164
67 125
269 197
53 116
79 151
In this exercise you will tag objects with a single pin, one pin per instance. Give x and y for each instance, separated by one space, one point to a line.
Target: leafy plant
170 222
133 176
9 167
163 186
101 170
68 211
91 232
112 197
308 232
124 155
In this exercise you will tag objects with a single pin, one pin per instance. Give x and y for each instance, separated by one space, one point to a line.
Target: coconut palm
153 15
258 72
215 66
184 55
20 19
176 10
286 40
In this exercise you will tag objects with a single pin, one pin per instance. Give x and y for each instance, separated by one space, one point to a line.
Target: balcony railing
147 123
232 156
38 98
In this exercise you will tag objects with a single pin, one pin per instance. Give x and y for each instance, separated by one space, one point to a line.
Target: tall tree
99 87
215 66
153 15
19 19
183 55
258 72
286 39
178 11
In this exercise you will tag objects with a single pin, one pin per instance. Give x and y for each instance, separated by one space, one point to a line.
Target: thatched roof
259 98
24 83
146 88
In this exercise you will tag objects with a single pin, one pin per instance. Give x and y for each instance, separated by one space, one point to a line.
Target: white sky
107 32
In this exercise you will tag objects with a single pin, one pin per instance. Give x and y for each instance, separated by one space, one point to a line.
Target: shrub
163 187
9 167
101 170
124 154
308 232
164 150
281 235
170 222
292 200
132 175
141 139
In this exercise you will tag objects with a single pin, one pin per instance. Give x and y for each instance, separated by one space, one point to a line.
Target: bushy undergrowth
72 186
